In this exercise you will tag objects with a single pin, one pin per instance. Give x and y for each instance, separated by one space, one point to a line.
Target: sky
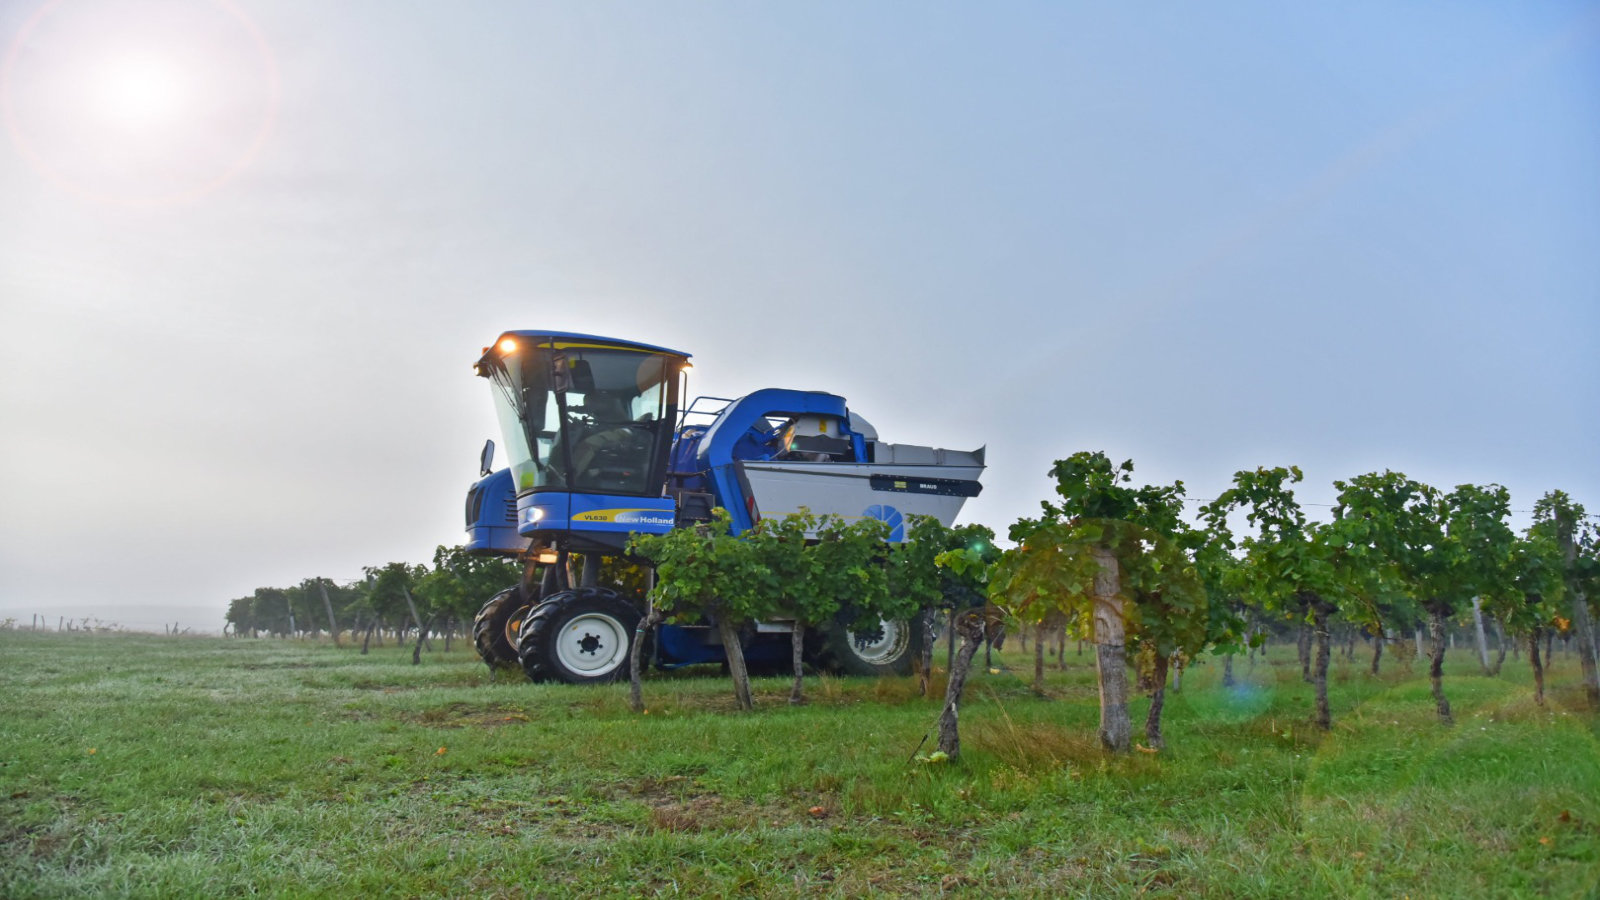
250 250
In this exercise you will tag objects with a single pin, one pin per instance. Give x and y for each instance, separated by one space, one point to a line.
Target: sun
139 91
138 101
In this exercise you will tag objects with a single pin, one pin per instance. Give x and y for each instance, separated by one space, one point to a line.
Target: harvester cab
588 424
599 449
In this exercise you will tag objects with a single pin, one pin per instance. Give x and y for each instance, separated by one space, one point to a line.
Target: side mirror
486 462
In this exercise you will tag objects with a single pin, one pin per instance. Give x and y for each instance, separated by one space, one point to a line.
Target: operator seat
613 451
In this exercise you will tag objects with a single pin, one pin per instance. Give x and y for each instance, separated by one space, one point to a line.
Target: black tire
890 648
495 627
579 637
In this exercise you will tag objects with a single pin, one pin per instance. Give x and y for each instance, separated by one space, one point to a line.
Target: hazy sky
249 250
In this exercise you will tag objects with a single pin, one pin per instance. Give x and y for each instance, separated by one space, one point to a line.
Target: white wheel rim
592 644
881 649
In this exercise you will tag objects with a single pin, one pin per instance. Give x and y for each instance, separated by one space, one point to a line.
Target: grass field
152 766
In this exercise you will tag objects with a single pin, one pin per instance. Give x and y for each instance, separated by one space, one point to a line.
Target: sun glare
136 92
138 101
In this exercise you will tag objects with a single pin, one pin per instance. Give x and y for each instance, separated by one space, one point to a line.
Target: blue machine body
740 433
492 517
600 449
560 512
493 528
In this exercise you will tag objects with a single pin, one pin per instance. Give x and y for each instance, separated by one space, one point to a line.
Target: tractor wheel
889 648
580 636
495 627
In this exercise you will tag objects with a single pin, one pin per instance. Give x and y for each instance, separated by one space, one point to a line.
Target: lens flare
132 102
136 91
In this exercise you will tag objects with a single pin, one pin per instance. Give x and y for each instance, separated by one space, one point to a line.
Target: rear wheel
884 648
579 637
495 627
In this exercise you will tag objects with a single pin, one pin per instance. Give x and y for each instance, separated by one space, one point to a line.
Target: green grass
153 766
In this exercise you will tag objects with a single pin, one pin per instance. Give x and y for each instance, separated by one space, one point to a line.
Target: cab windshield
586 418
